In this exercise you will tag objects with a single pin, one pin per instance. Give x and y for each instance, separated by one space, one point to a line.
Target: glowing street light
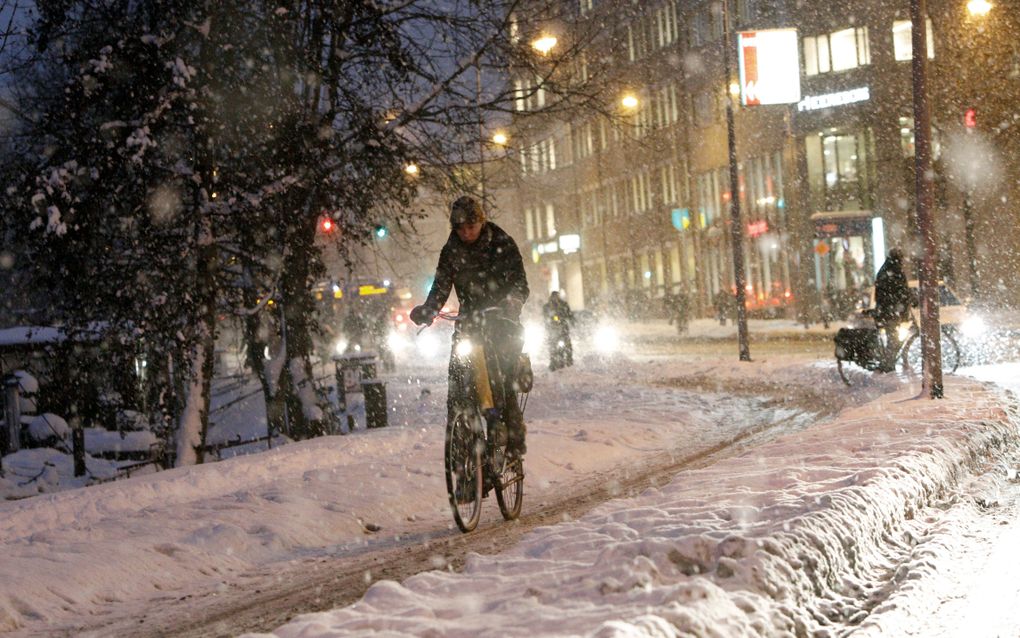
544 44
500 138
629 101
979 8
411 169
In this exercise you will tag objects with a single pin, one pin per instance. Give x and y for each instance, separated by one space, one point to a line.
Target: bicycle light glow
534 336
463 348
903 331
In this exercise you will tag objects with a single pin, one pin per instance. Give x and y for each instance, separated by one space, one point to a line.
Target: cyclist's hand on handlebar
422 315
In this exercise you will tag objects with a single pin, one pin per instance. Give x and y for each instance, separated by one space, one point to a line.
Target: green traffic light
381 231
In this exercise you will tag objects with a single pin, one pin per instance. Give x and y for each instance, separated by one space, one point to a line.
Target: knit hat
466 210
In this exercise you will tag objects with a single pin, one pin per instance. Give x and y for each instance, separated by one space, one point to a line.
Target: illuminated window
903 49
837 51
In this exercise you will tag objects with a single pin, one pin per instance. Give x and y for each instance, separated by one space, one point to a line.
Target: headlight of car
607 339
396 341
973 327
428 344
463 349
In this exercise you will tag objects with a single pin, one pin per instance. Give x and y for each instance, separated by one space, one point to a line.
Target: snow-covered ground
849 521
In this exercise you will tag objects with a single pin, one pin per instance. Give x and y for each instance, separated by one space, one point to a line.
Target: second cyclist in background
558 318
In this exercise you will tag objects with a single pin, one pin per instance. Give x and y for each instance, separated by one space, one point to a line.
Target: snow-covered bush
28 387
48 429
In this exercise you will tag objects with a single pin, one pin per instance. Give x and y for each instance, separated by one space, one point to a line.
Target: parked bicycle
476 458
868 348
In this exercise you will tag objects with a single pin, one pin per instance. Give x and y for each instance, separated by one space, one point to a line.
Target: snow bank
802 536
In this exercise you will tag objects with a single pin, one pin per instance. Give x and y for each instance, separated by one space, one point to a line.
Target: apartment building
634 203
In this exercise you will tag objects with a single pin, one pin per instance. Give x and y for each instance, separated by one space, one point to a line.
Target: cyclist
483 264
558 318
893 301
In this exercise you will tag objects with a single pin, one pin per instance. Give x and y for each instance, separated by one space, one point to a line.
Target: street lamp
629 101
500 138
979 8
544 44
411 169
736 226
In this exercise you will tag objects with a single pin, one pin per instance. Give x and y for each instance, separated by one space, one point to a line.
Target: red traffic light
970 118
327 225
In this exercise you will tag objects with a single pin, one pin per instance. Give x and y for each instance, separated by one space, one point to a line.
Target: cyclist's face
469 233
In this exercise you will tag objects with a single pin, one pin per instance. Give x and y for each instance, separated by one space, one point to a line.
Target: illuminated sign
760 227
369 289
815 102
681 218
769 64
546 248
570 243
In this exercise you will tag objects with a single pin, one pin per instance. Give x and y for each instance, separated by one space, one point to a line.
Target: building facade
625 206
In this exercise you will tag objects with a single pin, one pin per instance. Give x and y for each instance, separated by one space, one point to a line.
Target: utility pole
736 225
931 349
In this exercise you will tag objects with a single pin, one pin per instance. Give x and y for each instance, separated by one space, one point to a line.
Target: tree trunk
307 417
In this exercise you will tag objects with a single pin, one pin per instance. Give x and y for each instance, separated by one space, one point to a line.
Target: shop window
838 170
903 48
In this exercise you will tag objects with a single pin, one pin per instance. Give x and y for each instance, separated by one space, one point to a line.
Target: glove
422 315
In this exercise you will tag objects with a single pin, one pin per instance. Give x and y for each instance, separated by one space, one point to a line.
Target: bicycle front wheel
464 445
950 352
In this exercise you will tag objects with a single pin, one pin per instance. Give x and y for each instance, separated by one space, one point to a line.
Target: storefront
848 247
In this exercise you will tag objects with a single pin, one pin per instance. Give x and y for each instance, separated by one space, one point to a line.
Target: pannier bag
859 345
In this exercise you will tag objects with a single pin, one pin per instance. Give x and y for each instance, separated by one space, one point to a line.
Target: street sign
769 67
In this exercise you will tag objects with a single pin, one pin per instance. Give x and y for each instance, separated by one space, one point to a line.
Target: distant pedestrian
678 310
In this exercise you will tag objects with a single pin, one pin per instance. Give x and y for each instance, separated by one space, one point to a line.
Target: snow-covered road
110 551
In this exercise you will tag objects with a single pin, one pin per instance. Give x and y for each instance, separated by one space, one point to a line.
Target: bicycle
475 459
867 347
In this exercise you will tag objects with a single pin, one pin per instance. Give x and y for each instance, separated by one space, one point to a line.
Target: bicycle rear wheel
510 488
950 352
464 445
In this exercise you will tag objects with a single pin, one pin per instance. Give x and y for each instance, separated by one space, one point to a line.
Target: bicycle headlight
534 335
903 330
463 349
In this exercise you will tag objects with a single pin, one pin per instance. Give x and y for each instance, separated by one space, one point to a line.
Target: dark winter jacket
892 294
488 273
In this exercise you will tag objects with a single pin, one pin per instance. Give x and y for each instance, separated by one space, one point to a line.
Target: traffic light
970 118
381 231
327 225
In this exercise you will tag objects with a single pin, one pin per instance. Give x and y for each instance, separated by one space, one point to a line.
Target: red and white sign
769 67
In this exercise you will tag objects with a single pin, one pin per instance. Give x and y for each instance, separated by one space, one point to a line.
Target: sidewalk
710 329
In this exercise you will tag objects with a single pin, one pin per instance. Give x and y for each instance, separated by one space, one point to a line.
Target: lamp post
736 226
978 10
931 348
